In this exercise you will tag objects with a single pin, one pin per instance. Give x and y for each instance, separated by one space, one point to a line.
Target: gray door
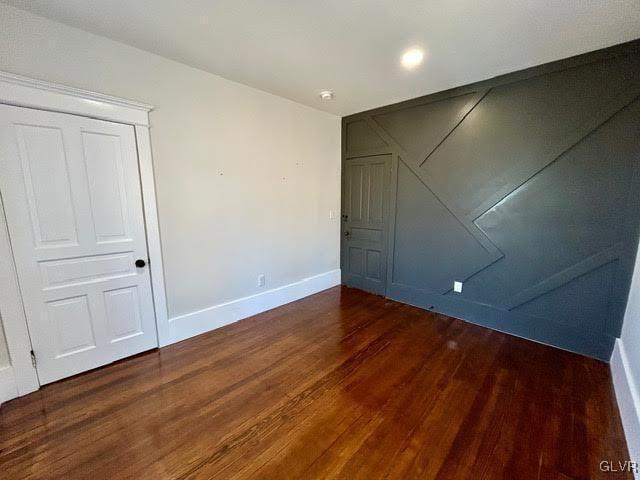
364 222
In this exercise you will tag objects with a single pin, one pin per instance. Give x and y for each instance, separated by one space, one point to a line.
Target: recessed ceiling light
326 95
412 58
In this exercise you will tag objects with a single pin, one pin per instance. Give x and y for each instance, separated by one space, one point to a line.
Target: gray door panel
364 222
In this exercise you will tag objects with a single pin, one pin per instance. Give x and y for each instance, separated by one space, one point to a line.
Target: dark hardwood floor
342 384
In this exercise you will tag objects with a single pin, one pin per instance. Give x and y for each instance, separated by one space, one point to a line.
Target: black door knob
140 263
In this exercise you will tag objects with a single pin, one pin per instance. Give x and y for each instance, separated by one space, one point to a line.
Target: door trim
25 92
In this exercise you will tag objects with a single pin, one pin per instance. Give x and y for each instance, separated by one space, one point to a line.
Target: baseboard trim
535 329
8 386
628 398
195 323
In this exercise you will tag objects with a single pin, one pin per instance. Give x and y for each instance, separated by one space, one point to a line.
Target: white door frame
25 92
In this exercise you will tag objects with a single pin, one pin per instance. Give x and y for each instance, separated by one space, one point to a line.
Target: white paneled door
71 190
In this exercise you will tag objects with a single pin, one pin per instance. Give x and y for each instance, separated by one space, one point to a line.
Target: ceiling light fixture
326 95
412 58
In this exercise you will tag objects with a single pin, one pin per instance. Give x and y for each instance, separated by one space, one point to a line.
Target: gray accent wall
526 188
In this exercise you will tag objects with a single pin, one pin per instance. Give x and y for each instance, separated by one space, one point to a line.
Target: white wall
4 352
625 367
245 179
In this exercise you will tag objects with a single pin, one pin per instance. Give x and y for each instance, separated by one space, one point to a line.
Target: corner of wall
628 398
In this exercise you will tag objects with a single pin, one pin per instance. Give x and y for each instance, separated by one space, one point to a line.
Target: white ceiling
297 48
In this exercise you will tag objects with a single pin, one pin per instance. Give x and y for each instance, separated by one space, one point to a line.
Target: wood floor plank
342 384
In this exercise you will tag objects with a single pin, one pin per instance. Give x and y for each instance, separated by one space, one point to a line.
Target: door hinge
33 359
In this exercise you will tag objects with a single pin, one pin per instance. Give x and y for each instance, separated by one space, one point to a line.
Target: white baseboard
201 321
628 397
8 387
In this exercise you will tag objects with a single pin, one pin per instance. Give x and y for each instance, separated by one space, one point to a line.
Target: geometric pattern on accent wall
526 190
360 136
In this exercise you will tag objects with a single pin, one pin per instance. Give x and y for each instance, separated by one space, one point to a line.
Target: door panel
123 313
364 227
354 180
105 178
71 189
73 325
46 183
61 273
375 194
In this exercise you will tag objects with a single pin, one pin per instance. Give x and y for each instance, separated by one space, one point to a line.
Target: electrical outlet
261 280
457 287
332 215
